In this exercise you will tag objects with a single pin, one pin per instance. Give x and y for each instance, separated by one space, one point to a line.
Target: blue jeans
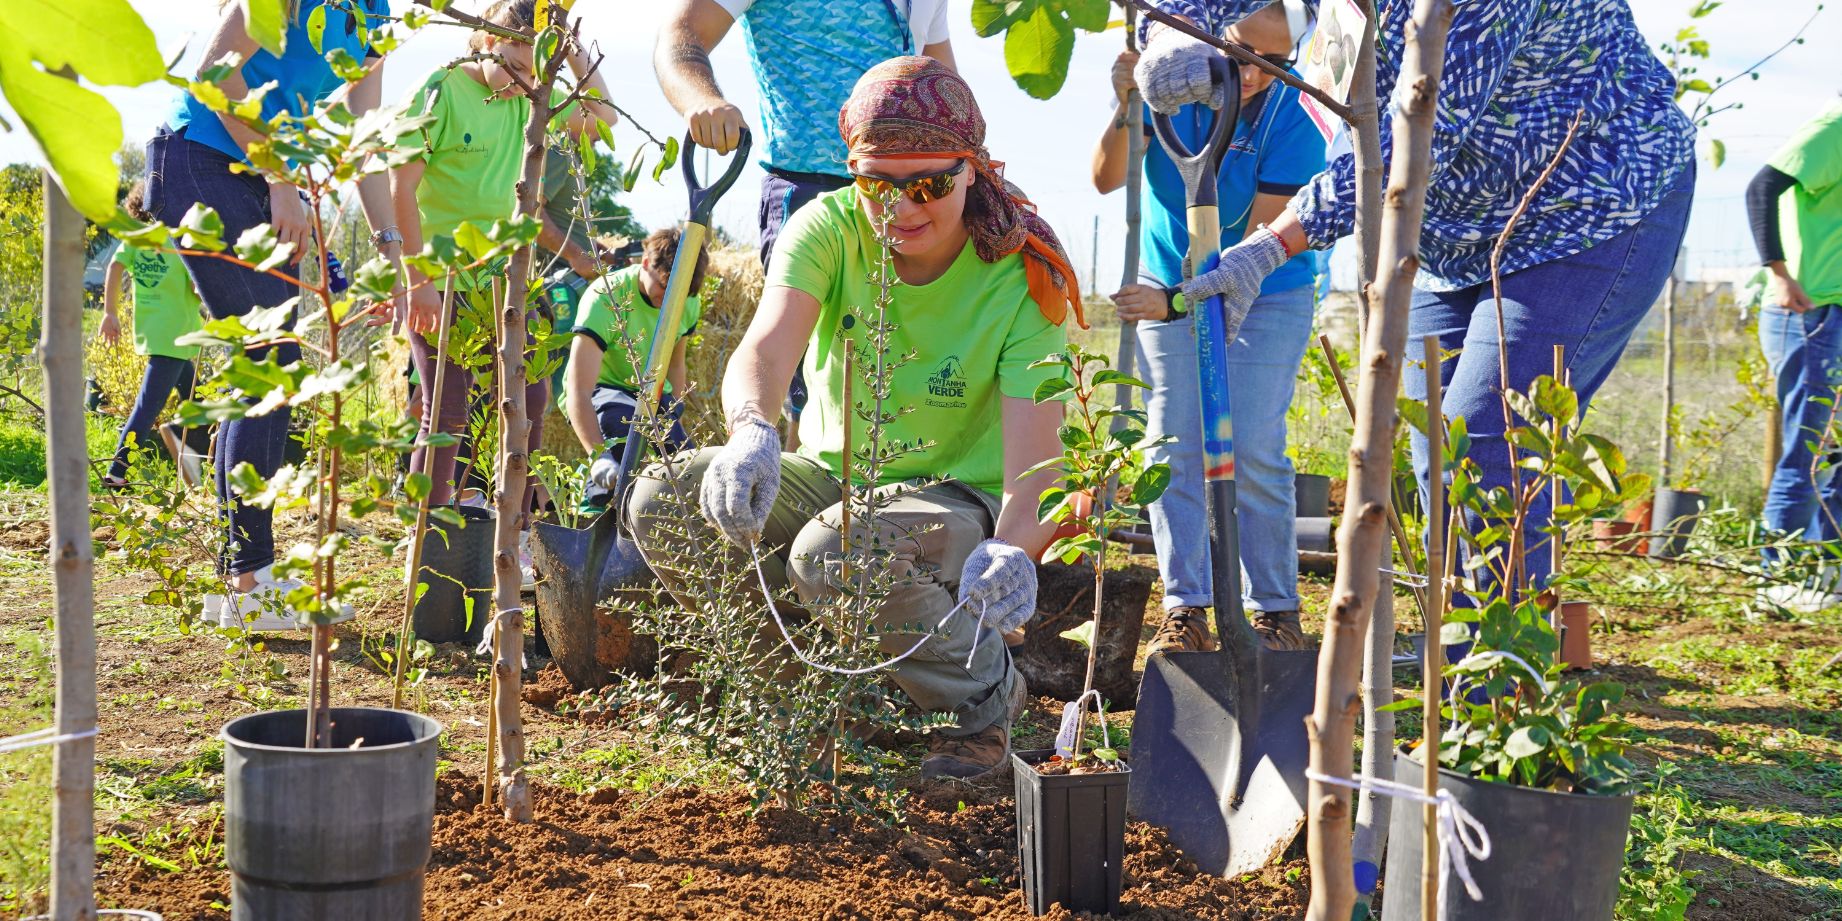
165 374
1805 352
614 409
1262 369
181 173
1589 303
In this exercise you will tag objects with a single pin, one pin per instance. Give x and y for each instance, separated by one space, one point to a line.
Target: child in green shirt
165 308
613 332
472 158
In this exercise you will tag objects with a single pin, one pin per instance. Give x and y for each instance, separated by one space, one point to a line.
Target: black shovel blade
567 595
1221 765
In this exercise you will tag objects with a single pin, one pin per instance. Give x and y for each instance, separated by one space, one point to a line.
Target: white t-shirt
927 19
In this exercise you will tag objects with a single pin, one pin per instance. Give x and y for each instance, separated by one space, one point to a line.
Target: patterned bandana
914 108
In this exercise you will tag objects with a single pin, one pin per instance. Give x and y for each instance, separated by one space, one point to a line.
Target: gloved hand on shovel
604 471
739 486
1244 266
1173 71
999 582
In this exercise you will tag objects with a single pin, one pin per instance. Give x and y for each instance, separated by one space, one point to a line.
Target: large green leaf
266 21
991 16
1037 50
101 41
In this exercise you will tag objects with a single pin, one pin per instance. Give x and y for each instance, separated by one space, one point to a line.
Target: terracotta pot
1613 535
1576 623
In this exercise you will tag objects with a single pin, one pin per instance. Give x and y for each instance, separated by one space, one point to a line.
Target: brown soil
697 855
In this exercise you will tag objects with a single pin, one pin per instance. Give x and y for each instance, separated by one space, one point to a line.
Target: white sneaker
527 570
1799 599
263 609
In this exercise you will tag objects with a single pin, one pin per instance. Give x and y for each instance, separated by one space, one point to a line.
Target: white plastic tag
1065 737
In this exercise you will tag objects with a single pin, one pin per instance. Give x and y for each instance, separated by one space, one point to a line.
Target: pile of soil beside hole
695 854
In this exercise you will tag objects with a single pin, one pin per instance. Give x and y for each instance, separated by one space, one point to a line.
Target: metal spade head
578 569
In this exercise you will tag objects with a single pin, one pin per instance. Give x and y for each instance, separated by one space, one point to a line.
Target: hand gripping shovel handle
671 319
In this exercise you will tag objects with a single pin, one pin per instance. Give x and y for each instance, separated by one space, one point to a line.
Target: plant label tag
1065 737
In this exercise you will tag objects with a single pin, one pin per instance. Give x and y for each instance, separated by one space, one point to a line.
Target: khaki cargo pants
932 532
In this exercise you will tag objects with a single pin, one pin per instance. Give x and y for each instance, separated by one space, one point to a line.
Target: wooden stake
73 563
1401 538
1433 660
844 536
419 537
1364 532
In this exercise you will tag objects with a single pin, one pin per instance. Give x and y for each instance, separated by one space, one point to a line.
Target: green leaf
1151 484
1087 15
1051 498
1111 376
666 159
989 17
1526 742
266 21
1052 388
1452 634
1083 634
1037 50
1717 152
316 29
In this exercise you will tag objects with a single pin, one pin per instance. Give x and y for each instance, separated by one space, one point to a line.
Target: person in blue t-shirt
190 161
1276 150
807 54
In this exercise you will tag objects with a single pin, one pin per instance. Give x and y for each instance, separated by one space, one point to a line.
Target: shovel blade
1220 764
568 599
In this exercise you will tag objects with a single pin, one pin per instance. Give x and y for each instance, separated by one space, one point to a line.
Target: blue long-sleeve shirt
1516 73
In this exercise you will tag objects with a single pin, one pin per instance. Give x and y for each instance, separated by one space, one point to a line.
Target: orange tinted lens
875 188
933 187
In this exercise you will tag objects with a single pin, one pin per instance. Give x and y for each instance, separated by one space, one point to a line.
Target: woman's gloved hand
739 486
999 582
1243 268
604 471
1173 71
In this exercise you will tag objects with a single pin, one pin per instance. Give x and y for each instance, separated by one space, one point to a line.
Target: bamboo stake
73 563
419 537
1432 662
1364 533
1127 359
1401 538
844 536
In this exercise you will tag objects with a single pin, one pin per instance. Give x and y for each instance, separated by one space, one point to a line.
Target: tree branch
1242 55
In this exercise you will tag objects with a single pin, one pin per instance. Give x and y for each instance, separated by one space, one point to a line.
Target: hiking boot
1279 630
967 757
1185 629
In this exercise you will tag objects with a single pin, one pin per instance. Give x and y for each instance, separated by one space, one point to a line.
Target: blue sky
1047 144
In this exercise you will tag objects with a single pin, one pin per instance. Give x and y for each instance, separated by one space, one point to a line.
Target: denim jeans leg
1179 519
181 173
1262 374
164 375
1804 351
1588 303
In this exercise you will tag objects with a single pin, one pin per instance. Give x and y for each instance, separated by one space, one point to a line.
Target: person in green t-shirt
614 332
984 288
165 308
1795 204
472 154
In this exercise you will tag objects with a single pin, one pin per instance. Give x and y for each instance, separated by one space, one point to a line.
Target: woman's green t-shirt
165 306
972 332
615 309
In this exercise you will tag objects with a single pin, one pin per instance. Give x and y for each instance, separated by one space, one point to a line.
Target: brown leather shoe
1279 630
1185 629
967 757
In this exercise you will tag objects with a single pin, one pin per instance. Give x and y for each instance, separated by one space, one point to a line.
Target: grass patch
25 776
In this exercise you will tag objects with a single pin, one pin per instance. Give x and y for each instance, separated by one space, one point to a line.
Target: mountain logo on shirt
947 381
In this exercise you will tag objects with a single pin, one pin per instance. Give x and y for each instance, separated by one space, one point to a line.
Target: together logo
948 382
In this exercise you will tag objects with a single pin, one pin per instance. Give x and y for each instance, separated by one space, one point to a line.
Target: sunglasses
1280 61
919 189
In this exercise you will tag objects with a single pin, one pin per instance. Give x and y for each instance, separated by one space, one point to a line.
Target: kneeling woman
984 290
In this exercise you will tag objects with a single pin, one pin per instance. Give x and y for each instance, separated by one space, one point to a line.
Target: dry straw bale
732 288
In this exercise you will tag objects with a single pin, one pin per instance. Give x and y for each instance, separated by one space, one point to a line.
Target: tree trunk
1127 359
513 499
73 834
1364 532
1372 811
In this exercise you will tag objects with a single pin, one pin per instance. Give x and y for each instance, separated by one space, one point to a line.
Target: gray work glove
1173 71
604 471
739 486
999 582
1244 267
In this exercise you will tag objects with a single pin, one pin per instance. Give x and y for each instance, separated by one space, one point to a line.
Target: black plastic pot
1315 535
325 833
1071 835
1311 495
1673 519
1553 855
456 566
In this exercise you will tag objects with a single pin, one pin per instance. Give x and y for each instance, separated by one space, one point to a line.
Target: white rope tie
489 640
39 737
768 595
1459 832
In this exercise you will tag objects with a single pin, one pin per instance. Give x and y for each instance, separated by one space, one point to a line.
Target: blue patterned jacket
1516 72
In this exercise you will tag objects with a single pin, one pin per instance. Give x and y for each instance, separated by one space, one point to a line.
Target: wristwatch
386 237
1177 309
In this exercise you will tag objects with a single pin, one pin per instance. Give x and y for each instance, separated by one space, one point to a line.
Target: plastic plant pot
1576 622
1311 495
1071 835
456 567
1673 519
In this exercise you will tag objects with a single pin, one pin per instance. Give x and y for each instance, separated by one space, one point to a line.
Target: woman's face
1266 36
920 229
517 57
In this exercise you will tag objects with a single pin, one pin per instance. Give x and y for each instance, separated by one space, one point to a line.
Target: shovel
578 567
1218 742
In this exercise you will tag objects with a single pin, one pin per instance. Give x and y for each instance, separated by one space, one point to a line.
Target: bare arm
761 370
682 60
1110 155
676 373
424 301
374 189
1266 210
579 392
1029 438
942 52
555 239
111 329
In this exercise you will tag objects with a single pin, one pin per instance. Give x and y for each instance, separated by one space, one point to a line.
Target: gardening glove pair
739 486
1243 267
604 471
999 581
1173 71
